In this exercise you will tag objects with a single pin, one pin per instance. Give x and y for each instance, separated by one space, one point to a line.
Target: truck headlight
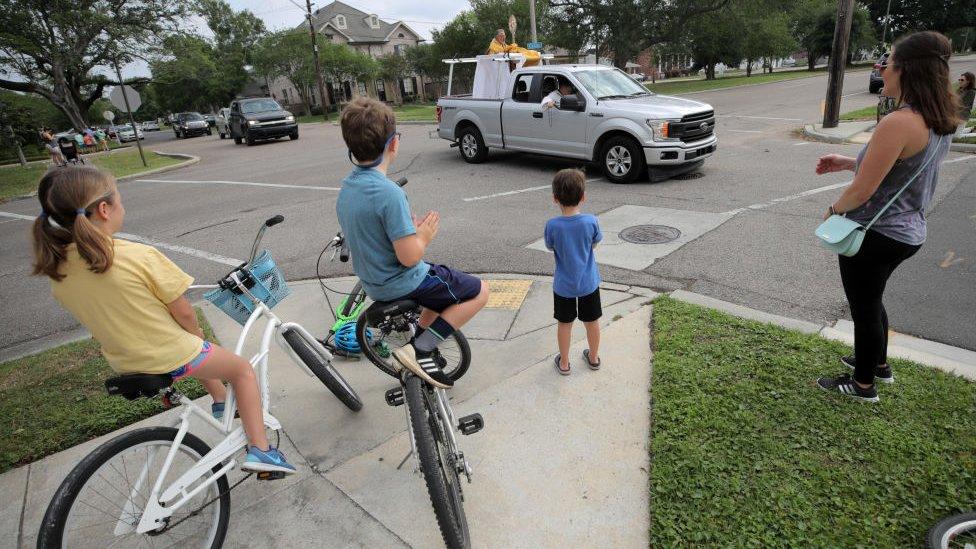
252 122
289 118
661 129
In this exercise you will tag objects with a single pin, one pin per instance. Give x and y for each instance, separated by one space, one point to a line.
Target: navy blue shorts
444 287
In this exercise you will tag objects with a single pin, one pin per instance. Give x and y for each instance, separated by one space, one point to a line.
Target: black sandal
586 355
560 370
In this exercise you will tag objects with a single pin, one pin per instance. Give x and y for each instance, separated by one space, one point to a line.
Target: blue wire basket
269 287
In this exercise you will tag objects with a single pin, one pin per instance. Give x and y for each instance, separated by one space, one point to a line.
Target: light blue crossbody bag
844 236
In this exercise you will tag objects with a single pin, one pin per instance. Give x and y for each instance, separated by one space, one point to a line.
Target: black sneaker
881 373
423 365
845 385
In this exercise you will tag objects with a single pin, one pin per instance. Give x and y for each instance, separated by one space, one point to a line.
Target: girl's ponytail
68 196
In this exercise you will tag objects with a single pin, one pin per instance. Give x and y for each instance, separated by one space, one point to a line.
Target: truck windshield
610 84
260 106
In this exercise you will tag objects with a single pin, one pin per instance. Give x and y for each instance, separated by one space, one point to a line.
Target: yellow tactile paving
507 294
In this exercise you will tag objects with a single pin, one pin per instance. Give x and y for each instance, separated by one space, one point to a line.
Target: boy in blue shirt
576 283
388 243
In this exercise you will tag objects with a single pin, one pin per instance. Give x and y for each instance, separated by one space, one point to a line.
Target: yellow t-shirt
125 308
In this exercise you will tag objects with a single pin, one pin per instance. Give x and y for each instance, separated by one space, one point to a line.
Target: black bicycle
955 531
382 327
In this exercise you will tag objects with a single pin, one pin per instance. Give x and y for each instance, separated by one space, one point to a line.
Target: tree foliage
288 54
916 15
62 50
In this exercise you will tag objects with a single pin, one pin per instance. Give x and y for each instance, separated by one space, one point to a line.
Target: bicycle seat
133 386
381 310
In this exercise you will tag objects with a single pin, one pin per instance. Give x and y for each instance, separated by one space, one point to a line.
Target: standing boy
576 283
388 243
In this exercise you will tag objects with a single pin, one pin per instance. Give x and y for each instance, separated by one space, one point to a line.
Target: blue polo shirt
373 212
571 238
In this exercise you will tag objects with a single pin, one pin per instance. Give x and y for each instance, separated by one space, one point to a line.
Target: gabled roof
357 25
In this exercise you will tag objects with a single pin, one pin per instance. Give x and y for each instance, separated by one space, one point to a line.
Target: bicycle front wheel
101 501
323 370
378 340
437 462
954 531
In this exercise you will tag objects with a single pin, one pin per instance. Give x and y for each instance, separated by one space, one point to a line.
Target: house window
400 35
340 21
374 21
362 88
398 49
380 90
408 86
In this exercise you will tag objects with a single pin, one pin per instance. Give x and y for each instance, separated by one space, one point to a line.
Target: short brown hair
366 126
568 186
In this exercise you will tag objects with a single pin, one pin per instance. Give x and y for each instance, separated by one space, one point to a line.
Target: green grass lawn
867 113
422 112
17 181
687 86
56 399
747 452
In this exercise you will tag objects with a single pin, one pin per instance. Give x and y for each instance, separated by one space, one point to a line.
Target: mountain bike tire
51 534
323 370
436 463
948 531
456 350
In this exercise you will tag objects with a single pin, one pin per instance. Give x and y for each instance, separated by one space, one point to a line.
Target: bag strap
922 168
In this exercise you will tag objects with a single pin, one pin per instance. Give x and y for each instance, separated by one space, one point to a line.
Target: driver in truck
555 92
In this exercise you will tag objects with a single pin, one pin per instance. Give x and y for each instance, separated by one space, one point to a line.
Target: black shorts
588 307
444 287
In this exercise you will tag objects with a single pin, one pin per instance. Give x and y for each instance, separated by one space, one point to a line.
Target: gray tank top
904 221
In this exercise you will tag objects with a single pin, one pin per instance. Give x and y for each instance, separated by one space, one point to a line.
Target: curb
963 147
809 131
954 360
190 160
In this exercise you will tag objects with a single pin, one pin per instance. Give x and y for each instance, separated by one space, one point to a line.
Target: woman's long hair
970 81
923 59
62 192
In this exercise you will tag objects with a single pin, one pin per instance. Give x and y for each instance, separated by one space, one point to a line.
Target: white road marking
245 183
801 143
853 94
759 117
764 205
153 242
741 131
960 159
507 193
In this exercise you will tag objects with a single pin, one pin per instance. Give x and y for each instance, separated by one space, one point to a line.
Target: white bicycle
164 486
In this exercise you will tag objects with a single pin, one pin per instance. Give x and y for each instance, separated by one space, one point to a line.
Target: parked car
150 126
128 133
257 118
611 120
188 124
875 81
211 120
638 76
222 121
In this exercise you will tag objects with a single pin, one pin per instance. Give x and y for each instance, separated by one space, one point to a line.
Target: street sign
537 46
118 101
108 115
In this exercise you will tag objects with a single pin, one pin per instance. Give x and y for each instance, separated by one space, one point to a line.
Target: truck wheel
622 160
472 146
249 139
237 138
222 135
293 136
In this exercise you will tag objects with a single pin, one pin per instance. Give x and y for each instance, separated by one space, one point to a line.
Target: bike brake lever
335 250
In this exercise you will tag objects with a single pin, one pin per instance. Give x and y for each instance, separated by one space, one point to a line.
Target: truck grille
690 128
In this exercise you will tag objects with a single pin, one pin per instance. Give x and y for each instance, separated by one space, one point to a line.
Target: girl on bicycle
130 297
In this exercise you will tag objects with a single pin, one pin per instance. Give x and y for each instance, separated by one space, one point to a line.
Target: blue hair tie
43 215
81 211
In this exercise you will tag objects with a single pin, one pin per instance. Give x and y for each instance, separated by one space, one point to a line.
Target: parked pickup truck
609 119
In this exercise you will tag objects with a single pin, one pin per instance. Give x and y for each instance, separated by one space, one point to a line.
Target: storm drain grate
688 176
649 234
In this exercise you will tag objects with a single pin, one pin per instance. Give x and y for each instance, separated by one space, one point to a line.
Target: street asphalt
761 179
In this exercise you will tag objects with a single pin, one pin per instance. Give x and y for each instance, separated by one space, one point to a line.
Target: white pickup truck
610 120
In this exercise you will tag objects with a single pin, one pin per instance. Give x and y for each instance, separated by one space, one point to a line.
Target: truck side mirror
572 102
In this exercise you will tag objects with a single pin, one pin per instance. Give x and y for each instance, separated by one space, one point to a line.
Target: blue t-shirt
572 238
373 212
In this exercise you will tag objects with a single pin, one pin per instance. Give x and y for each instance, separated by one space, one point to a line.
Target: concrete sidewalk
561 460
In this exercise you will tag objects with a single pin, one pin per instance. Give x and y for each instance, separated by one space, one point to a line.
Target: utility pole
132 121
532 19
838 60
315 57
884 32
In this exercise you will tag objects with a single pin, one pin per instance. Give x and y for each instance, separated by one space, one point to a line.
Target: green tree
235 35
288 54
716 37
339 65
804 18
52 48
425 61
183 81
862 33
766 33
394 68
915 15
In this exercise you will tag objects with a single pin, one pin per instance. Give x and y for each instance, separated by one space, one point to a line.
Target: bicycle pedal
469 425
270 475
394 397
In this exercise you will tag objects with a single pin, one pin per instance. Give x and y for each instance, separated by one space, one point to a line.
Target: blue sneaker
217 409
258 461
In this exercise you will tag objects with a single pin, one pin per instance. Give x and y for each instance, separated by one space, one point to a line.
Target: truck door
562 132
522 116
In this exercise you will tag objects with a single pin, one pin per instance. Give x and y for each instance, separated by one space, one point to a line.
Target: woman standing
967 93
51 144
913 139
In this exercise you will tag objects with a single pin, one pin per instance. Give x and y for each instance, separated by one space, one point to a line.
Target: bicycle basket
269 287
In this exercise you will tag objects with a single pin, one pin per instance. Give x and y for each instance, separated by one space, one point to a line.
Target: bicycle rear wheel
437 462
323 370
387 335
954 531
101 501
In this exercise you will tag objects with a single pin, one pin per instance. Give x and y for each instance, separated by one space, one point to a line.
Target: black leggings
864 277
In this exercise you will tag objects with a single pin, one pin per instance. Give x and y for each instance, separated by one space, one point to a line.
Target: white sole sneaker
407 357
876 377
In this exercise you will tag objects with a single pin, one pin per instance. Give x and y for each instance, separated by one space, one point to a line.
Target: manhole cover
649 234
687 176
